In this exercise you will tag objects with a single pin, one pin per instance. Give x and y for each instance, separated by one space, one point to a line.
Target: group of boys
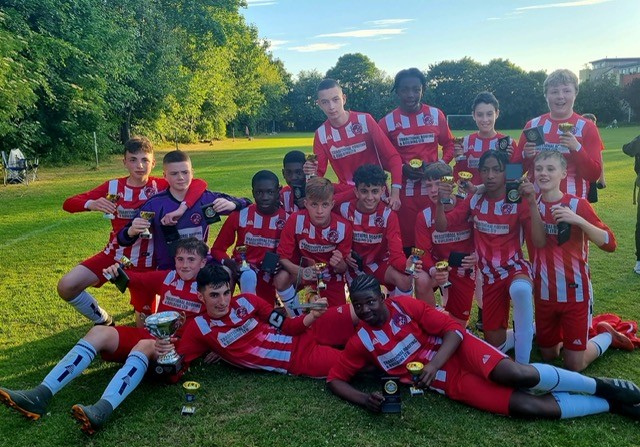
309 233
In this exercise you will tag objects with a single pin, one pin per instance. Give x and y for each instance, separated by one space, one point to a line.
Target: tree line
180 70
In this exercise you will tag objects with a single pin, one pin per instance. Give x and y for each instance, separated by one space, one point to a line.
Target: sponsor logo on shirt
127 213
553 147
181 303
356 128
366 238
409 140
259 241
342 152
231 336
400 353
316 248
241 312
450 236
332 236
196 218
489 228
191 232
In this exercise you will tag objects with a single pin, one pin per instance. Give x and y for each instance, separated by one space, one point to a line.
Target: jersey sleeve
389 156
445 138
76 204
397 259
192 344
424 242
226 237
287 245
588 158
344 246
353 359
586 211
240 202
320 152
195 191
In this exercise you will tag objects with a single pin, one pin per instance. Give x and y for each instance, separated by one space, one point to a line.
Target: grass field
39 243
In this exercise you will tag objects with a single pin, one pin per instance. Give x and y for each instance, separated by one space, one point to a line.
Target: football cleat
31 403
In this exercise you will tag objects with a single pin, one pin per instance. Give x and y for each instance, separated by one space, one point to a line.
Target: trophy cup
242 251
464 177
319 270
565 127
443 266
125 262
416 254
447 179
190 389
305 300
313 158
163 325
415 163
459 140
113 198
148 215
415 369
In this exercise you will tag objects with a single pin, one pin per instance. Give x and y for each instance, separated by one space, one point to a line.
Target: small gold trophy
459 140
415 369
113 198
416 254
447 179
190 389
242 251
443 266
306 300
415 163
319 270
464 178
565 127
312 158
147 215
125 262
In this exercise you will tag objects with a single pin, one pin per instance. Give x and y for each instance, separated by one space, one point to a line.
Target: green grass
39 243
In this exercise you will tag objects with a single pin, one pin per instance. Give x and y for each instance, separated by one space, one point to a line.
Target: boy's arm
589 222
445 138
389 158
323 160
129 233
226 238
424 242
225 204
538 233
287 246
195 191
93 200
342 250
397 259
588 155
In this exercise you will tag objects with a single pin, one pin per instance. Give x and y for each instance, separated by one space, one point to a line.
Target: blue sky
397 34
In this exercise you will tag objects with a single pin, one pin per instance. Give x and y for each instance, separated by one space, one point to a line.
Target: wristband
87 204
396 186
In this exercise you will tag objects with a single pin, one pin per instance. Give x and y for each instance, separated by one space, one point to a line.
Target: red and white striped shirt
413 332
360 141
244 337
561 272
300 239
288 199
584 165
418 135
474 146
458 237
499 230
258 232
376 236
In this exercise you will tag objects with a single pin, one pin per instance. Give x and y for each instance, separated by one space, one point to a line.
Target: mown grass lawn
39 243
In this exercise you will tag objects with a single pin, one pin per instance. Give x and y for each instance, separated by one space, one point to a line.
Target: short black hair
369 175
293 157
176 156
192 245
485 98
264 175
409 73
436 170
501 156
364 282
328 83
214 276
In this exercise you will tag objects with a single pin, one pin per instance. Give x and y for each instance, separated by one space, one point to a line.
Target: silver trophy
163 325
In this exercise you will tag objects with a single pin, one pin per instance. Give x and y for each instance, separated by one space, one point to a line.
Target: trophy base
109 216
166 370
461 196
145 236
416 391
188 410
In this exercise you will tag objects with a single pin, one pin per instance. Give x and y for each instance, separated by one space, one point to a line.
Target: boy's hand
445 190
138 225
310 168
469 262
336 258
458 149
529 150
351 262
211 358
411 173
233 266
221 205
111 271
510 148
102 204
568 139
300 203
164 346
317 313
565 214
374 402
439 276
173 217
394 199
527 190
427 376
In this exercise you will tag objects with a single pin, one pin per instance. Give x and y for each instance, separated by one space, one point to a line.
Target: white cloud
387 22
276 44
366 33
563 5
317 47
493 18
260 2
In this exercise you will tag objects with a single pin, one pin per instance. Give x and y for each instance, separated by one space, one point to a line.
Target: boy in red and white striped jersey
563 292
129 194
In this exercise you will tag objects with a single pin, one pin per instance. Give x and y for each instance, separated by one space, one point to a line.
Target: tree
303 111
356 74
631 94
601 97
